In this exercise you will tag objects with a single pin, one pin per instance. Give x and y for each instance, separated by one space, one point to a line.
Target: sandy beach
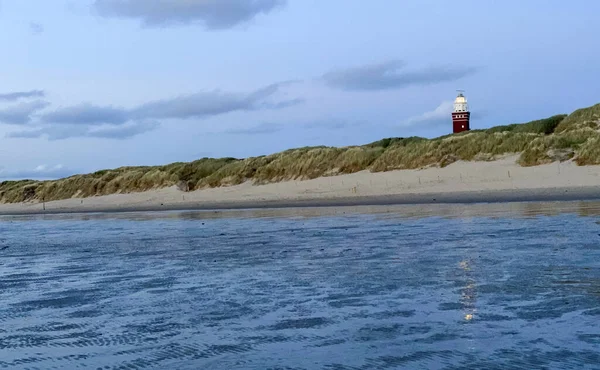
461 182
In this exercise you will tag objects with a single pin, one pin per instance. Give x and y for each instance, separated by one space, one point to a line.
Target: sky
95 84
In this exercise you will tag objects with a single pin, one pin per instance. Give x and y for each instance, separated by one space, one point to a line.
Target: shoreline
498 181
566 194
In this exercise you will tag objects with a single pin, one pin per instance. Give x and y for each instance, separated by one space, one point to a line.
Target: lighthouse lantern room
461 115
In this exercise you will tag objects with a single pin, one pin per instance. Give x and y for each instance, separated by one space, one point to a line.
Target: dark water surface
448 287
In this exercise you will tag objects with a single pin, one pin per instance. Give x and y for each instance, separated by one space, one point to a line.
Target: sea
472 286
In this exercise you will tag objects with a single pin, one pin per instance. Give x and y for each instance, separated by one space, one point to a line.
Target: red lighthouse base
460 121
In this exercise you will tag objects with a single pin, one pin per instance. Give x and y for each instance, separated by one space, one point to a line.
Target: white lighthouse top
460 103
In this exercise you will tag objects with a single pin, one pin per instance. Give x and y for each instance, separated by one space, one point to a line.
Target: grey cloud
86 114
262 129
196 105
212 103
22 95
283 104
52 133
20 114
25 134
36 28
333 124
213 14
199 105
390 75
62 132
123 132
89 120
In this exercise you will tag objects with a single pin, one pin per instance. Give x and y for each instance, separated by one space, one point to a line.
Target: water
444 287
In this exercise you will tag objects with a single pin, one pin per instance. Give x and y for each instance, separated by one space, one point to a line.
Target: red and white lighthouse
461 115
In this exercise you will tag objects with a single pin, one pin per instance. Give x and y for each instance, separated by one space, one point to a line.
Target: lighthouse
461 115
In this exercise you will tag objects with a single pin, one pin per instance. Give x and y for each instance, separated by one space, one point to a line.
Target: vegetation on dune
581 119
556 138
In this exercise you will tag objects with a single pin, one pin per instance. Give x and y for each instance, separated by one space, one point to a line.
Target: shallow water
480 286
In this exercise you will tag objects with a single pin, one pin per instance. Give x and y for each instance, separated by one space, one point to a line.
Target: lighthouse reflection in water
310 290
468 292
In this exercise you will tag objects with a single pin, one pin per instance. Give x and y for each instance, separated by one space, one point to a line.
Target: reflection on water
467 293
433 287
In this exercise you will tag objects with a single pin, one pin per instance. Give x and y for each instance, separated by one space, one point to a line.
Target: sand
500 180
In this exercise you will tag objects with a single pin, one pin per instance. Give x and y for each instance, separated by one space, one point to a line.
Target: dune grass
557 138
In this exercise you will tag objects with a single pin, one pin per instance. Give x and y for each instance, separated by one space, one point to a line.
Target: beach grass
557 138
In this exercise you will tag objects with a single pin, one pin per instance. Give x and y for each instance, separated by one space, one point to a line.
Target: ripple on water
329 292
61 299
304 323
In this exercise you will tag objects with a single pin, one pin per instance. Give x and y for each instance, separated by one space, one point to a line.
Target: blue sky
92 84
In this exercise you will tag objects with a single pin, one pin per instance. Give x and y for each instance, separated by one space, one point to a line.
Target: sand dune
487 179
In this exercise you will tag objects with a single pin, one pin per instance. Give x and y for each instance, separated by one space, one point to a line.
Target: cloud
86 114
391 75
21 113
51 132
213 14
198 105
262 129
270 127
441 114
285 103
110 122
123 132
36 28
22 95
62 132
333 124
41 172
213 103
